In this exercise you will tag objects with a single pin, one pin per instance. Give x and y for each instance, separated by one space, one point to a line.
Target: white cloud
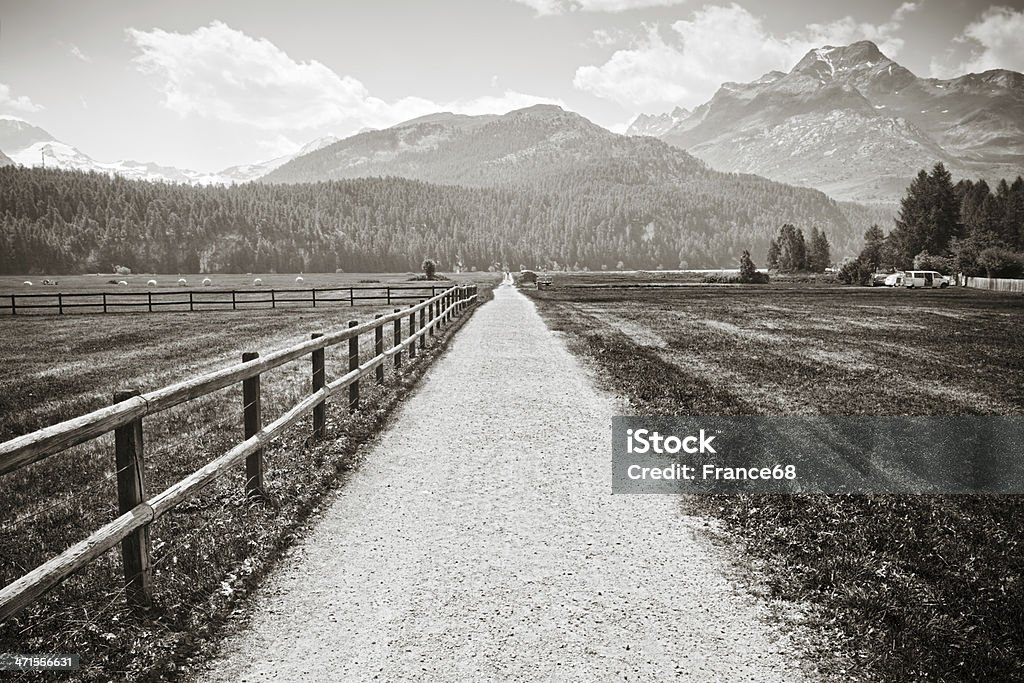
606 38
21 103
77 53
996 41
719 44
278 145
219 73
651 72
550 7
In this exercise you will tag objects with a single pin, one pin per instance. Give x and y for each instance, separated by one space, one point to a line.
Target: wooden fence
997 284
212 299
124 418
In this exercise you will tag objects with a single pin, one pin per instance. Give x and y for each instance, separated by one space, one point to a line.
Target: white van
928 279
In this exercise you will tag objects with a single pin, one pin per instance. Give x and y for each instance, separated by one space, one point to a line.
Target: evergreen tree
929 217
773 254
819 251
792 249
748 271
873 255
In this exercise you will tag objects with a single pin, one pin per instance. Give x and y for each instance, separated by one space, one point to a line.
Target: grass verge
915 588
209 553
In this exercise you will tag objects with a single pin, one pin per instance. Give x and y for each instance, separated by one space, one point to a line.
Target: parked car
927 279
894 279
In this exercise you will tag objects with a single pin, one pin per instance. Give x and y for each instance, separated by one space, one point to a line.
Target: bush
926 261
528 277
429 268
122 270
998 262
854 272
721 278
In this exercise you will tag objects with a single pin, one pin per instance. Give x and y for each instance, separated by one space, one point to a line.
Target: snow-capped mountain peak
28 145
657 124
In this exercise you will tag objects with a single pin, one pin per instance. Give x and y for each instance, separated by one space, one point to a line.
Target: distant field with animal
207 552
109 281
918 587
127 293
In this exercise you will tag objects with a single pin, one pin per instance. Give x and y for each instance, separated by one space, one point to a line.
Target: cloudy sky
205 85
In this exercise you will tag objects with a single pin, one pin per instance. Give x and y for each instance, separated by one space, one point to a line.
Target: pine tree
773 254
819 251
748 271
872 256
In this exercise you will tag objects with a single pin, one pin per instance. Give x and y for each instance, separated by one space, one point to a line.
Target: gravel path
480 542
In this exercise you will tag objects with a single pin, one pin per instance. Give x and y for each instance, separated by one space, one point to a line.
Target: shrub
528 277
720 278
926 261
853 272
429 268
122 270
998 262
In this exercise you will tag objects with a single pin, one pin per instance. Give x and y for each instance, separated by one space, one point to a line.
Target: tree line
790 252
964 227
54 221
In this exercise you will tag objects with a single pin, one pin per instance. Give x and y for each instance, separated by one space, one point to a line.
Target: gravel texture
480 541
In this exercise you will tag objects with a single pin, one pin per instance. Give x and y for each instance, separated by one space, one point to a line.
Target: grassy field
102 282
209 552
917 588
76 294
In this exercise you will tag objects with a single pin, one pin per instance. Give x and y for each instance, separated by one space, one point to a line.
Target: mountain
855 124
248 172
5 160
656 125
689 212
28 145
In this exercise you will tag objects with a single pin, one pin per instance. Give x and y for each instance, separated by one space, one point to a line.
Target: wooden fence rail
211 299
124 418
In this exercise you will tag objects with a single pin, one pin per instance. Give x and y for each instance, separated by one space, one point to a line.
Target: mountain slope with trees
602 213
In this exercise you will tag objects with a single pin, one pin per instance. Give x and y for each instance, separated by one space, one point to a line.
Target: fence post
104 302
191 306
398 340
253 417
353 364
378 347
60 303
351 297
389 295
233 304
432 315
314 297
273 299
14 305
319 380
131 491
423 337
412 331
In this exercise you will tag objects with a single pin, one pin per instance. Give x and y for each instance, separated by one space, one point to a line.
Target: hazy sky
205 85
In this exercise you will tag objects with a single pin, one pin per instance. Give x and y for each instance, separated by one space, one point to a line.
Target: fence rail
997 284
124 418
211 299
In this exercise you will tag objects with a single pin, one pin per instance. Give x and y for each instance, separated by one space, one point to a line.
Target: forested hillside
63 221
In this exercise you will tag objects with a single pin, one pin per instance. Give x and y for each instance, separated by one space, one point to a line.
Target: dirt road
480 541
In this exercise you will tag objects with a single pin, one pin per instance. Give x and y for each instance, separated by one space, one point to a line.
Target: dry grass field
920 588
209 552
